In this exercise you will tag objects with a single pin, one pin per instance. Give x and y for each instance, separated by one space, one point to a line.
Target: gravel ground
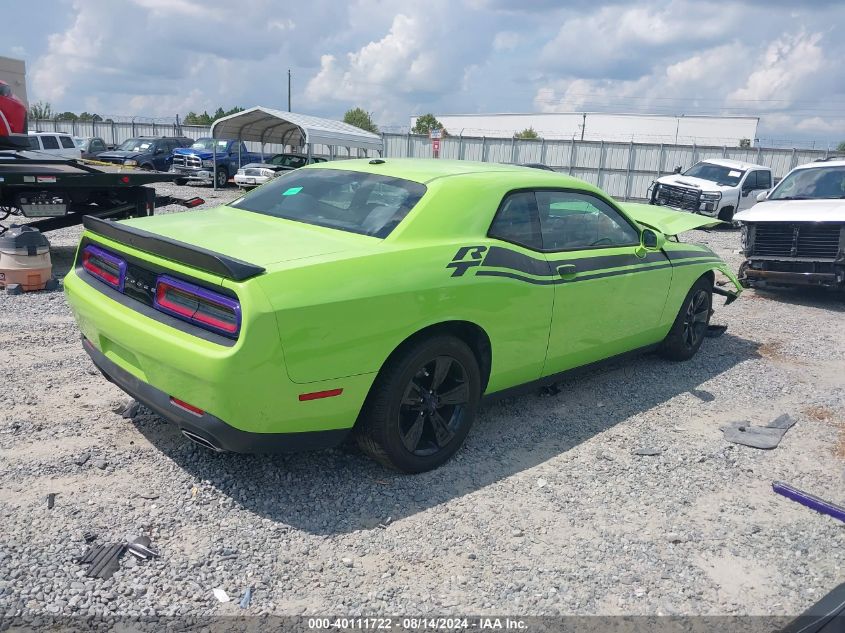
547 509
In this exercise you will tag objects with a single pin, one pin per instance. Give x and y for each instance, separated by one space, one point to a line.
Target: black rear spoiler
193 256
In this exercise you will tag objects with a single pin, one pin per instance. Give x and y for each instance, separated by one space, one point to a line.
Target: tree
527 133
745 143
192 118
67 116
426 123
87 116
41 111
360 118
841 147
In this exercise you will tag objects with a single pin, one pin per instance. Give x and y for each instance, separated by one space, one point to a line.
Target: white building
600 126
13 72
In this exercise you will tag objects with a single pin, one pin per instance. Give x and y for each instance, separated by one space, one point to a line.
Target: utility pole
288 89
583 124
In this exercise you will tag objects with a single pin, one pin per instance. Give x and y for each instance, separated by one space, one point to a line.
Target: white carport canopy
266 125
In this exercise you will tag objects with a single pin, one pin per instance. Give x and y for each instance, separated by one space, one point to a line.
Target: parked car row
793 234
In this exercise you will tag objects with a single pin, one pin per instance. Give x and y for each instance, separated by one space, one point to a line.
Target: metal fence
624 170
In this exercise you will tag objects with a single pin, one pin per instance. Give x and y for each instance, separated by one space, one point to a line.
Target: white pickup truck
796 234
715 187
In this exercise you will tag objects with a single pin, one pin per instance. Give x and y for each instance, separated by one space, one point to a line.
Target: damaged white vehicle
796 234
716 187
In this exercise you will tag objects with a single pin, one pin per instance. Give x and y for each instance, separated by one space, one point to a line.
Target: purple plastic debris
811 501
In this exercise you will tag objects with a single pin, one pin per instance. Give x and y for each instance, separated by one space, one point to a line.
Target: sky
777 59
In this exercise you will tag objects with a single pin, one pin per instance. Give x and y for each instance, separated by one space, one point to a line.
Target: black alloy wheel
696 319
433 406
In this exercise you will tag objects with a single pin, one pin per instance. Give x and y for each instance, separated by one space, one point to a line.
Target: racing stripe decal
522 267
553 281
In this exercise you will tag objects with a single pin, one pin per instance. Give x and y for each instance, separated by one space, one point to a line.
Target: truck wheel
222 178
421 406
690 325
148 167
180 181
727 215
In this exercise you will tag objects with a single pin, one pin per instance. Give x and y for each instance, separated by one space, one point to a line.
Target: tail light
106 267
200 306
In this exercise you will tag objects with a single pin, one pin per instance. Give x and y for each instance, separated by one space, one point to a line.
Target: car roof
424 170
48 133
830 162
735 164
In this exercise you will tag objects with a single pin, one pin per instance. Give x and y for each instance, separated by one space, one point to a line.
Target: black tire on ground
222 178
421 406
180 182
690 325
727 214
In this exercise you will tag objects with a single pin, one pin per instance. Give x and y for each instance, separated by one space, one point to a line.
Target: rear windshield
346 200
815 182
720 174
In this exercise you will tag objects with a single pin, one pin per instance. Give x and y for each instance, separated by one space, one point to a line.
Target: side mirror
159 151
762 196
677 169
652 240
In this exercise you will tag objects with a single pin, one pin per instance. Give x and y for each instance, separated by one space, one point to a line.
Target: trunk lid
250 237
666 220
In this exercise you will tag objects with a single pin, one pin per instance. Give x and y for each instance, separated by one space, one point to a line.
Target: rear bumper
206 429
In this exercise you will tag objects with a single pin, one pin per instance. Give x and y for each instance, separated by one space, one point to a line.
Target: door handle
567 271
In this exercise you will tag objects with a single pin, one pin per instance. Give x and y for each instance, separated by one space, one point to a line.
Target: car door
609 291
755 182
96 147
514 289
50 144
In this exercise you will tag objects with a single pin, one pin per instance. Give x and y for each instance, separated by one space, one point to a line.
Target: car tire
404 424
181 182
148 167
727 215
222 178
690 326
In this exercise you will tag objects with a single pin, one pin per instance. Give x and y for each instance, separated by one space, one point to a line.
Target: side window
50 142
97 146
516 221
764 179
67 142
33 142
571 220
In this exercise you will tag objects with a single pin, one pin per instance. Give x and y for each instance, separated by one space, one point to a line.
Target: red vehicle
12 112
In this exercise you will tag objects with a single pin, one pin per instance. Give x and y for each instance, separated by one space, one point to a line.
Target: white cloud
789 63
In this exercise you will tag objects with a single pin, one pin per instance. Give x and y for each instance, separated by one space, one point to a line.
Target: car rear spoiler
193 256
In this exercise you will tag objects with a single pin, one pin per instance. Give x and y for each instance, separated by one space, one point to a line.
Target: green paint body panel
332 306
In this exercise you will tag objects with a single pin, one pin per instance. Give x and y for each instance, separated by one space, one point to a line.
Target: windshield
346 200
135 145
815 182
80 142
719 174
209 143
287 160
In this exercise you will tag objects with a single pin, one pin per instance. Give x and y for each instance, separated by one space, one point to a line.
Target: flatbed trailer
63 191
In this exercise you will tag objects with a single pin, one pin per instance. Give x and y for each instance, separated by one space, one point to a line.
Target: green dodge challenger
382 297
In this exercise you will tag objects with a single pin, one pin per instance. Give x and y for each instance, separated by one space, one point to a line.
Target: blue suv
153 153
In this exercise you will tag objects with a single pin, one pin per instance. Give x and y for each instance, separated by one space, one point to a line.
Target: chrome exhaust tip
205 443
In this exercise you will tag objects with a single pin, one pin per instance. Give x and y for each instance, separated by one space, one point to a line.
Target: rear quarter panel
344 317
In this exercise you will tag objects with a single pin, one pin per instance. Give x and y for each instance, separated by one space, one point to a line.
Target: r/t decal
466 258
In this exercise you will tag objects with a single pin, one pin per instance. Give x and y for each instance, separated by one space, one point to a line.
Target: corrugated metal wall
624 170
